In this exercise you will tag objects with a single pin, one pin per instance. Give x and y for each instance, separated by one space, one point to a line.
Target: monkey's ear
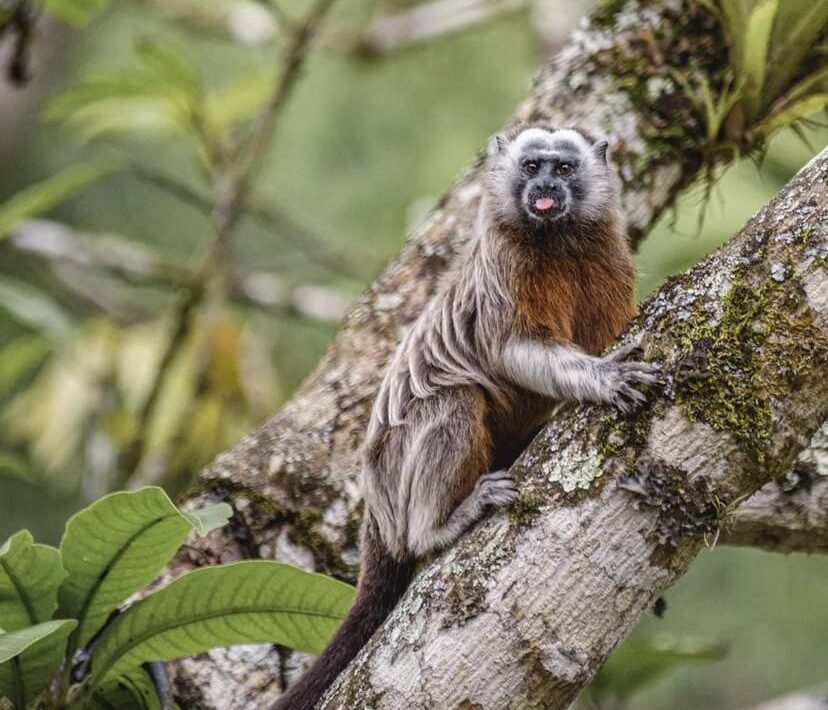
599 149
497 144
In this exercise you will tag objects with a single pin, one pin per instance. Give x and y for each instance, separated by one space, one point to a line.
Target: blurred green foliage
148 97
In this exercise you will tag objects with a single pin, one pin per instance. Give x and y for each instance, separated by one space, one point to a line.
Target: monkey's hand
624 377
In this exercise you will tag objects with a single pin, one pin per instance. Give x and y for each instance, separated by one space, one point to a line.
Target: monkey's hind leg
492 490
448 469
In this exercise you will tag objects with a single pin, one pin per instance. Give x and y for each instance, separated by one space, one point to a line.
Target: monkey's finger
639 366
632 394
623 352
645 378
621 405
501 475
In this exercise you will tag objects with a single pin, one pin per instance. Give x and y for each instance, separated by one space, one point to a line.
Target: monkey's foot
496 489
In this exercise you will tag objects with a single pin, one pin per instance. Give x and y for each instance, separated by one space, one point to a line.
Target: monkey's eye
565 169
531 168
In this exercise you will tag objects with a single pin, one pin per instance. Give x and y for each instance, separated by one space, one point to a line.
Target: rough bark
523 611
293 481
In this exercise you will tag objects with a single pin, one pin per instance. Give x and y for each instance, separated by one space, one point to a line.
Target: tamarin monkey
517 325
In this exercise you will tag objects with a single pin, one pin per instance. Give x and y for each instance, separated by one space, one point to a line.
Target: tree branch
523 611
789 514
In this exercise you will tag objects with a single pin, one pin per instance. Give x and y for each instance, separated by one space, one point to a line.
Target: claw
624 352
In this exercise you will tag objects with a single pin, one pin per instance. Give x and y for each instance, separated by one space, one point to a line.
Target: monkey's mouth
544 207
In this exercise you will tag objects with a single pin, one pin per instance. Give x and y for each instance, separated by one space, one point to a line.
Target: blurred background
116 147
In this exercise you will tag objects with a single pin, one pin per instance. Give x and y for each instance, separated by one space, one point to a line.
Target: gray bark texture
293 482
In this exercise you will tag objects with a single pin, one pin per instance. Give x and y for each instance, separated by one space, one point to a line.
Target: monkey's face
543 180
545 183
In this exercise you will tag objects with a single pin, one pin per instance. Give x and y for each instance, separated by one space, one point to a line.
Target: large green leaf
256 601
117 546
29 657
30 575
45 195
132 691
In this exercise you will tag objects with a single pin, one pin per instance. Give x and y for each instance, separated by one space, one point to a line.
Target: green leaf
32 307
168 64
210 518
239 100
13 643
160 96
256 601
20 357
142 116
12 465
29 657
813 83
74 12
795 112
132 691
754 60
103 84
735 14
112 549
30 575
43 196
637 664
798 25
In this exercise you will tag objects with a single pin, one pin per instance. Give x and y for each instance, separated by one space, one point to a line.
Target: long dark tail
383 580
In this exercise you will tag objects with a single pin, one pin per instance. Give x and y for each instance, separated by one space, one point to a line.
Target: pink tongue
544 203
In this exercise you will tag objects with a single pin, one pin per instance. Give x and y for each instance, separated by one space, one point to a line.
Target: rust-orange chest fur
585 300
